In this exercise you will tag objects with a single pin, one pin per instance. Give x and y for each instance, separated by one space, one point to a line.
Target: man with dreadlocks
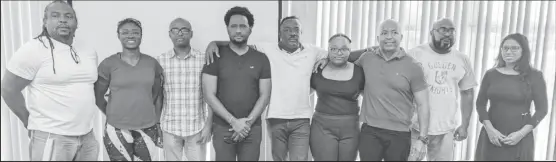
59 77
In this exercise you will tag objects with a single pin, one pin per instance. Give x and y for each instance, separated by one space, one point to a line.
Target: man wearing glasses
450 80
186 122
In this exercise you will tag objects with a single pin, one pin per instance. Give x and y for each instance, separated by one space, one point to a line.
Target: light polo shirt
390 85
291 80
447 75
63 102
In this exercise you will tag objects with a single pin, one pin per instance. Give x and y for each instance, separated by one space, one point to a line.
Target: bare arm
12 85
354 55
209 93
422 100
225 43
265 87
212 52
101 86
158 91
100 90
467 97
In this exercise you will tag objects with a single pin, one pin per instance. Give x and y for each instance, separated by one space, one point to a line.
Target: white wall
98 22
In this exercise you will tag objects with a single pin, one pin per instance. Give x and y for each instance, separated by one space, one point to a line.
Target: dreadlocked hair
44 34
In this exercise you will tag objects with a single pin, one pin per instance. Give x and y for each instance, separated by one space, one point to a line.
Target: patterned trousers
132 145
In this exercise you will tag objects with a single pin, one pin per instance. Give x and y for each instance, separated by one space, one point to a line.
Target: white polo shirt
61 103
291 75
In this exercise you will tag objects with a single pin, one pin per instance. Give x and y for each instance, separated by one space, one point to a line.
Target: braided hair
44 33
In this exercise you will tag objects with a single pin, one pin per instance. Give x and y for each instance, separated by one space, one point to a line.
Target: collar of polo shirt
401 53
301 48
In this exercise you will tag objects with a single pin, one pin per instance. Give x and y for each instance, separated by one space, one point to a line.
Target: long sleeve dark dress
510 98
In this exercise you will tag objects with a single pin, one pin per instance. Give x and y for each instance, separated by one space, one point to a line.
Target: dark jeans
376 144
289 136
247 150
334 137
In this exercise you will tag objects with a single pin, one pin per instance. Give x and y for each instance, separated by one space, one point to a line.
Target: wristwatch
424 139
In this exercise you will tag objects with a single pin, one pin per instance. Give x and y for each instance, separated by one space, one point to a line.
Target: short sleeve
417 80
362 81
412 52
468 81
26 61
361 59
212 69
104 69
373 50
265 72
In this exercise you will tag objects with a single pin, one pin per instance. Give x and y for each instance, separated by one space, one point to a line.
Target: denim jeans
175 146
290 138
63 148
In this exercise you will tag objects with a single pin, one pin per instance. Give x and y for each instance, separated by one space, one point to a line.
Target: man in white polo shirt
59 77
290 109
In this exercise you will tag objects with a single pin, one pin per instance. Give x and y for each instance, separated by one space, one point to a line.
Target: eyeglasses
336 50
512 48
443 30
182 30
74 55
127 33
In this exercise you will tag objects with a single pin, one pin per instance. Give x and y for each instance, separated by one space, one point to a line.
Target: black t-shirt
338 97
238 80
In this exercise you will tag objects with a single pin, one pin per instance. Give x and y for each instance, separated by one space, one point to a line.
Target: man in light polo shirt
393 83
451 80
290 109
59 76
237 87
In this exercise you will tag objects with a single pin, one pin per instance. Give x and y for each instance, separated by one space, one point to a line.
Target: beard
239 43
441 45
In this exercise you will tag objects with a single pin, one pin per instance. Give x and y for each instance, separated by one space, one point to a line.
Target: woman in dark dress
510 88
334 132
